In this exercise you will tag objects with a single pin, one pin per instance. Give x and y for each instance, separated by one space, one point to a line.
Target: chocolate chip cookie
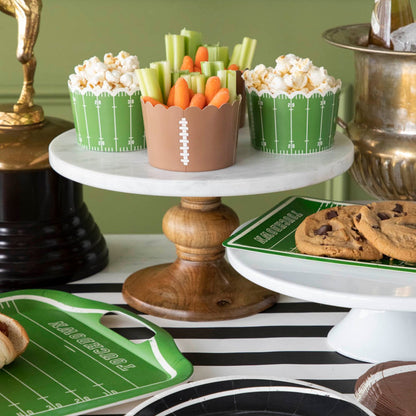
390 226
332 233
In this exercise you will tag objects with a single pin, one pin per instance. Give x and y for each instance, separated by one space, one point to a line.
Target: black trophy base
47 235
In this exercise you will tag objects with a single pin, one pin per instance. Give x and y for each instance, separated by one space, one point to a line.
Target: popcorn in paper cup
292 108
106 106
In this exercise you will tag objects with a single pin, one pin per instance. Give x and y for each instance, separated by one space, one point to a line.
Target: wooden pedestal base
200 285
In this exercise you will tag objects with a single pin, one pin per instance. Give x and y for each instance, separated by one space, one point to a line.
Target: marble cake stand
200 284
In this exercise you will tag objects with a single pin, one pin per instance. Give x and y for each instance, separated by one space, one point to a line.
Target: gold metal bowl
384 126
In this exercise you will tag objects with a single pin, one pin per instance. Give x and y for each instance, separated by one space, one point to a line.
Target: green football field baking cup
108 121
292 124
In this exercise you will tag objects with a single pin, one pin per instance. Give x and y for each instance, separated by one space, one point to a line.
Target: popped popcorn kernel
111 73
290 74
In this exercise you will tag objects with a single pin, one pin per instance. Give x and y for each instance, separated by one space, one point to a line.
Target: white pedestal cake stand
200 284
381 325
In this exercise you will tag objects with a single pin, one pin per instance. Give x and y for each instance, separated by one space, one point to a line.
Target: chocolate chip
360 248
331 214
398 208
376 227
358 217
383 216
323 230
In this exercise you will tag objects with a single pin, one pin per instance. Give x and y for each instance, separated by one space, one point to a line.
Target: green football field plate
274 233
75 364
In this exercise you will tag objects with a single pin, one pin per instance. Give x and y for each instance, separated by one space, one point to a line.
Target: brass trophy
384 126
47 235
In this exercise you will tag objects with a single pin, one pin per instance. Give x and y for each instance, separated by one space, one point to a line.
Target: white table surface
254 172
288 340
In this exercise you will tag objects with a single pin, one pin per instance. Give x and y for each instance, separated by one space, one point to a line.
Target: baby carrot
187 64
212 86
234 67
181 96
198 100
197 68
220 98
191 93
201 55
153 101
171 96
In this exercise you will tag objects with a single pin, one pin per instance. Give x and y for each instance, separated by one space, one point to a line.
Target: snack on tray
105 99
292 107
191 113
13 339
331 232
188 56
390 226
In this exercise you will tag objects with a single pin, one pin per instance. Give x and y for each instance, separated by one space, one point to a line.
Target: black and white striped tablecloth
287 340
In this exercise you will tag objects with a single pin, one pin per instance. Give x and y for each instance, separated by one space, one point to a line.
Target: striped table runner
287 340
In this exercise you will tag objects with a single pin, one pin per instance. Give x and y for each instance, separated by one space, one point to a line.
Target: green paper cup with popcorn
292 108
108 121
106 105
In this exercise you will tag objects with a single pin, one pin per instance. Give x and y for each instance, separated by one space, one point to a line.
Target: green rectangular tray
75 364
274 233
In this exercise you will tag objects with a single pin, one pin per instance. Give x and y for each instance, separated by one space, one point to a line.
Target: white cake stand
200 284
381 325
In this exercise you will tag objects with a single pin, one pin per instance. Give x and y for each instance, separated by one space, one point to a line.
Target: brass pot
384 126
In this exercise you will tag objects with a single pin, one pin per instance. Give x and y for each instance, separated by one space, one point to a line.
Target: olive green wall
74 30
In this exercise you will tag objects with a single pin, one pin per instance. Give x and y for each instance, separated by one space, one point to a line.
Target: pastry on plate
13 339
390 226
331 232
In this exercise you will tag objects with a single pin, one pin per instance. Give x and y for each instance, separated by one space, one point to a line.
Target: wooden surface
200 284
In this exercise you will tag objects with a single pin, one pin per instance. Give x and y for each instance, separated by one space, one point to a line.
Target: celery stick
187 78
198 83
169 49
193 40
223 55
179 48
142 83
175 50
235 56
177 74
213 52
218 65
232 84
207 69
149 83
228 80
222 75
164 77
248 48
218 53
210 68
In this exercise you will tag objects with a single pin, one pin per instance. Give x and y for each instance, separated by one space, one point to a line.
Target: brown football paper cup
191 140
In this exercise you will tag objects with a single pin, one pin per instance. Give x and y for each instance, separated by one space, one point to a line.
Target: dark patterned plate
235 396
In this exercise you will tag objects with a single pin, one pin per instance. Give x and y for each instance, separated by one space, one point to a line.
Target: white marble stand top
254 172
